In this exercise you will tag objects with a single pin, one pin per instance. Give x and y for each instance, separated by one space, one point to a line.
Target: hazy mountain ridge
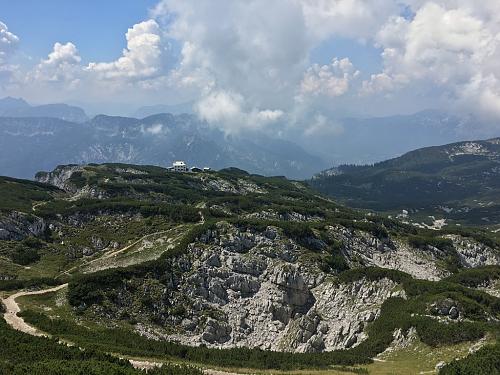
375 139
11 107
32 144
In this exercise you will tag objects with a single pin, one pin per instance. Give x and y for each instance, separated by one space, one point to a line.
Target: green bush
423 242
9 285
486 361
475 277
24 255
23 354
337 262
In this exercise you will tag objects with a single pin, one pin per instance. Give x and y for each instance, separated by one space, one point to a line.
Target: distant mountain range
374 139
175 109
41 137
458 181
11 107
28 145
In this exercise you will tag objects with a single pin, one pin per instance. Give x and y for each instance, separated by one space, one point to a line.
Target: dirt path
114 253
12 308
18 323
218 372
36 205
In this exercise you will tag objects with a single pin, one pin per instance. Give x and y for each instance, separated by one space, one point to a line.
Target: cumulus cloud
322 126
253 57
331 80
144 57
451 45
140 72
8 44
244 58
61 66
358 19
226 109
155 129
247 64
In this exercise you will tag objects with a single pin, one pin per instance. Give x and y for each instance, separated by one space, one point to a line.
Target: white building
179 166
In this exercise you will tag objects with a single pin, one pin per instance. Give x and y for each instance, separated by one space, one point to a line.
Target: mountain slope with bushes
459 181
238 270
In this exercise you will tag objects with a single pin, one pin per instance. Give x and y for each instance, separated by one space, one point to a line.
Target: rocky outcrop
96 244
248 288
17 226
241 186
362 248
60 177
474 254
283 216
259 288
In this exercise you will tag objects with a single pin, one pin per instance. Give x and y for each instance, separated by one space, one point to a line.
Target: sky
293 66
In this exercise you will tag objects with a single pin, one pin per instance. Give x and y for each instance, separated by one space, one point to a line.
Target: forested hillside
459 182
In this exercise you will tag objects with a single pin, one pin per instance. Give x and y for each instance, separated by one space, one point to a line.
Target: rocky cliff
242 287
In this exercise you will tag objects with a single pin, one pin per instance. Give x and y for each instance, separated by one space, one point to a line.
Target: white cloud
321 126
220 107
450 45
227 109
247 63
331 80
8 42
138 75
358 19
61 66
260 50
155 129
144 57
245 59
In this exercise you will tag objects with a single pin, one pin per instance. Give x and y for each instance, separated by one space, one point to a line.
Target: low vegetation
429 181
23 354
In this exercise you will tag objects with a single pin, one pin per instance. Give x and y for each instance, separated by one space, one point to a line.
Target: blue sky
95 26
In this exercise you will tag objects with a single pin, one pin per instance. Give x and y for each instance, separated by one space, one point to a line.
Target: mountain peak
9 103
18 107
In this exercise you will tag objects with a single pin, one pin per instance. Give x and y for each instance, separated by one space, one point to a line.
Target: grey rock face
243 288
216 332
17 226
473 254
59 177
363 249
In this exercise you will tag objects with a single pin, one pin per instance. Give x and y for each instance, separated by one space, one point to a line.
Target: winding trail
12 308
18 323
114 253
